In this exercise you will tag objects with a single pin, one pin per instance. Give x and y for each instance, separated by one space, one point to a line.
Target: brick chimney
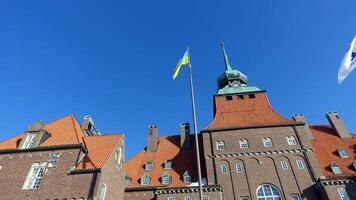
337 124
152 138
185 136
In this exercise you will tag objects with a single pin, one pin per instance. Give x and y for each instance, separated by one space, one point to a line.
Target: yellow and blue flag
185 60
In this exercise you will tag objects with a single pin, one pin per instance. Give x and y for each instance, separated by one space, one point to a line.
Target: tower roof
232 80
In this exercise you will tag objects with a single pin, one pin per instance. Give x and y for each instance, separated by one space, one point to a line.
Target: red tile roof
67 130
326 144
168 149
245 112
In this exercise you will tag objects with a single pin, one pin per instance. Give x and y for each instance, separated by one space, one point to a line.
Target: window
284 165
300 164
205 197
168 164
228 98
342 153
127 181
251 96
354 165
145 180
220 145
244 198
291 140
267 142
294 197
223 169
34 176
335 168
186 177
243 144
149 165
171 198
239 168
187 198
30 139
103 192
268 192
166 179
240 97
343 194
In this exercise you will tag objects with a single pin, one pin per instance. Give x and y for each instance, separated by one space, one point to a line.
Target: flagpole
195 132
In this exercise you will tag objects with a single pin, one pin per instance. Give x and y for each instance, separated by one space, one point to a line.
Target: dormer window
127 181
342 153
168 164
220 145
149 165
187 178
29 141
291 140
243 144
267 142
335 168
145 180
166 179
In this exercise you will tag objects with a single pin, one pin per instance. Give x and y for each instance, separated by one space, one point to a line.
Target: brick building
62 160
248 151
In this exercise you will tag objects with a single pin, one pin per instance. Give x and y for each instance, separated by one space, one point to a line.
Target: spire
226 59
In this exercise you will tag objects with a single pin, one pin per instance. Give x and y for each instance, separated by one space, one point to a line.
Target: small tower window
220 145
166 179
168 164
187 178
149 165
228 98
251 96
145 180
243 144
267 142
127 181
335 168
291 140
342 153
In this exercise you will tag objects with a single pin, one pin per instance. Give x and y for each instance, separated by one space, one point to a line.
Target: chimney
87 126
152 138
301 118
185 136
338 125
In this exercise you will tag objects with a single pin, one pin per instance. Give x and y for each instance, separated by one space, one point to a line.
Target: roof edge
44 148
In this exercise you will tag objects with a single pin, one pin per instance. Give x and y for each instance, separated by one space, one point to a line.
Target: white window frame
343 153
220 145
239 168
205 197
187 178
284 165
291 140
149 163
268 191
128 181
168 164
171 198
30 139
300 164
243 144
34 176
166 179
145 180
224 169
343 194
188 198
103 191
267 142
244 198
335 168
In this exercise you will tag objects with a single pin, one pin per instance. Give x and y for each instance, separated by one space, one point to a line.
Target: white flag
349 62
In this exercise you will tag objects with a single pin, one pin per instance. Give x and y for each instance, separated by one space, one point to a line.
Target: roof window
166 179
149 165
335 168
145 180
354 165
187 178
342 153
168 164
240 97
127 181
228 98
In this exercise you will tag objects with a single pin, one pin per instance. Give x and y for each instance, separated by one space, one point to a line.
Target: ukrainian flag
185 60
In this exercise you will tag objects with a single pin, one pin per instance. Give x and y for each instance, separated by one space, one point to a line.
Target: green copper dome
233 81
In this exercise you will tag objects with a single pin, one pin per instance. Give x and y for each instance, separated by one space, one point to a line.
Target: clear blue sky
114 60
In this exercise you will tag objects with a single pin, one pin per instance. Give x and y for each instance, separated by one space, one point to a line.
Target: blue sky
114 60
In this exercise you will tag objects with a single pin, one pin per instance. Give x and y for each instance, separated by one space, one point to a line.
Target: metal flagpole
195 132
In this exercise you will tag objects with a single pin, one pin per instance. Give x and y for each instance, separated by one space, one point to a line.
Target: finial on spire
226 59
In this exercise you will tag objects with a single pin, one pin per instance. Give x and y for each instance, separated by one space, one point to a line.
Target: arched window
268 192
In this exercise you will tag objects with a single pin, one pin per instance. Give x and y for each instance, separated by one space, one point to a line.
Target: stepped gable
168 149
326 144
245 110
100 148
